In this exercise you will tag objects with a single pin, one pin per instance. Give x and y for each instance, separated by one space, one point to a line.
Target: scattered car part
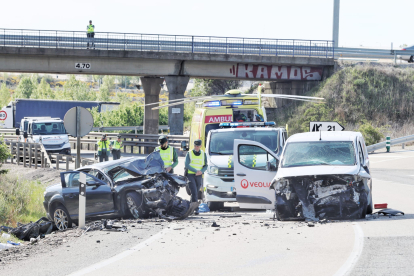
389 212
380 205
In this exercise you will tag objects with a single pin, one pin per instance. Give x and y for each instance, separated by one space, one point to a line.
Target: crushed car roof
325 135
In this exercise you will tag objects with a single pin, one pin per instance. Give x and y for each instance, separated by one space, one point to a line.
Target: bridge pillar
152 89
176 87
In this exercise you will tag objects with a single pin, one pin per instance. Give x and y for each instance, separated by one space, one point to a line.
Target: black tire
61 217
411 59
133 203
370 207
187 188
215 206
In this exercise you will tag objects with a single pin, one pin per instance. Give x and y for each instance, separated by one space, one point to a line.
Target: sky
367 23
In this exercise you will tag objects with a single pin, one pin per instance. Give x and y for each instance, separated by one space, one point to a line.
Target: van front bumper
219 189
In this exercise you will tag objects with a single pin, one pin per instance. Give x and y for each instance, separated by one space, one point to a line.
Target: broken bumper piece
321 197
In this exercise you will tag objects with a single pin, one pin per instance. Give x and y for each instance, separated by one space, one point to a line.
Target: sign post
82 200
77 127
325 126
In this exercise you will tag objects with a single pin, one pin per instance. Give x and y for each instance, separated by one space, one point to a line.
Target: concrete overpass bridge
172 58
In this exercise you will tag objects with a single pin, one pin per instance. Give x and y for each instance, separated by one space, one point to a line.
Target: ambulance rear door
255 166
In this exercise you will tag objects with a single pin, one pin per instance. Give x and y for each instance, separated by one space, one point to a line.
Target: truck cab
48 131
219 179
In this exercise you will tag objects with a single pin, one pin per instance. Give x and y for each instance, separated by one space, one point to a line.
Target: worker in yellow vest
196 164
90 29
168 154
103 148
116 147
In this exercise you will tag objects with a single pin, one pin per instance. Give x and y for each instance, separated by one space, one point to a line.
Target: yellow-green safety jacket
117 145
167 155
103 146
197 162
90 28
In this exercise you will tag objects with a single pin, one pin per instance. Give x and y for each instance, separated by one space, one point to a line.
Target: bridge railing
166 43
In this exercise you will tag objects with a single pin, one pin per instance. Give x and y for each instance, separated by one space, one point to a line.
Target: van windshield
335 153
48 128
221 143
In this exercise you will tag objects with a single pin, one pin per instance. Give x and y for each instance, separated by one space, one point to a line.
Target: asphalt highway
252 243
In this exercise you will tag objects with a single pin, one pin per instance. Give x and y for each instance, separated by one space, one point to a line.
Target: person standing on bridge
90 34
168 154
115 147
103 148
196 164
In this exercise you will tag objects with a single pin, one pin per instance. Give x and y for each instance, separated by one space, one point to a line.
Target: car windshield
221 143
335 153
48 128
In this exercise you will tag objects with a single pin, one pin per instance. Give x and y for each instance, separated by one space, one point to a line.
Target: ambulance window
254 157
208 128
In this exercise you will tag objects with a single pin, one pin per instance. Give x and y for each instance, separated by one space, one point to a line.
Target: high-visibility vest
117 145
167 155
91 28
197 162
103 145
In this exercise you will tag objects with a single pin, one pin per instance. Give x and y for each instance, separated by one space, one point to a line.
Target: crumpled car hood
152 164
316 170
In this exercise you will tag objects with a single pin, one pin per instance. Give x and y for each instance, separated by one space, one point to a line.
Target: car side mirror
25 134
184 146
270 167
93 183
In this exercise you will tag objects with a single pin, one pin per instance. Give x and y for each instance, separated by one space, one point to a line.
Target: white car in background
409 58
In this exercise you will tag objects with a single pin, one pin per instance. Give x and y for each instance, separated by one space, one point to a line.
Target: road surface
254 244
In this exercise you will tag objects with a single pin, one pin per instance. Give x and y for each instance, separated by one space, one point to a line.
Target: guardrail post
12 152
18 154
310 48
192 44
403 145
30 155
57 161
388 143
36 157
260 47
67 159
327 47
227 47
24 154
42 155
293 47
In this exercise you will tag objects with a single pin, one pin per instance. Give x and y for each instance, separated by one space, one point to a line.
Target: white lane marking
347 267
124 254
375 162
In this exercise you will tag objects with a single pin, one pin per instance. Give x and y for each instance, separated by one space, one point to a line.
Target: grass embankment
376 100
20 200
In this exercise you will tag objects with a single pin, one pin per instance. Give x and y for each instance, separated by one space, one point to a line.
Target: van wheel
215 206
370 207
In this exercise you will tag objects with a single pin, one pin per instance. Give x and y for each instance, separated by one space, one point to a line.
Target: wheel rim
132 207
61 219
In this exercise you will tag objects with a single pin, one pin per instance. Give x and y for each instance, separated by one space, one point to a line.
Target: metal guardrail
127 128
395 141
370 53
167 43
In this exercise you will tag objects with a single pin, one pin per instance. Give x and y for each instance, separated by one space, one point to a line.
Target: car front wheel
61 217
133 201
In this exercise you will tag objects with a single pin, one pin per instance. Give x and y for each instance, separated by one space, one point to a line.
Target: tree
108 84
25 88
207 87
4 153
5 95
77 90
43 91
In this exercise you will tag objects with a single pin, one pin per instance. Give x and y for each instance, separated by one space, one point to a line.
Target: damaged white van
320 175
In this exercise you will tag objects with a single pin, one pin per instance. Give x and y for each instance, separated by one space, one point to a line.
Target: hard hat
162 139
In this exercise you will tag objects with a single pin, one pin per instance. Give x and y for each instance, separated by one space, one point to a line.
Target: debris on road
215 224
231 216
310 224
30 230
389 212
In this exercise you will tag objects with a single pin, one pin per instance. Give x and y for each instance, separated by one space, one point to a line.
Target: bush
4 153
372 135
20 200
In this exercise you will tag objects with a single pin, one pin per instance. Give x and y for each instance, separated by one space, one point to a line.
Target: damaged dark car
130 187
324 176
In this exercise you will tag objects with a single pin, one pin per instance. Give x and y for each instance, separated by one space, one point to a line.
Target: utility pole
335 28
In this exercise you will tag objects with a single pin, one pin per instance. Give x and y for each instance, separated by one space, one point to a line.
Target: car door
99 199
255 166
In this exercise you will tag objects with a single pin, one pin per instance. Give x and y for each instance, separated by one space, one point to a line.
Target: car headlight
213 170
281 184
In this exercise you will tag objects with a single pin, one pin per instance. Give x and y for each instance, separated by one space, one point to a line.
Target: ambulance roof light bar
247 124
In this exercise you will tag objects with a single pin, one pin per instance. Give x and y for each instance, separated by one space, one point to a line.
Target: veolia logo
244 184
